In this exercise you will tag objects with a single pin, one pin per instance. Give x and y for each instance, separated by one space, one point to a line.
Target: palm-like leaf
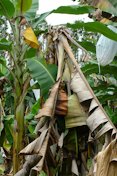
44 74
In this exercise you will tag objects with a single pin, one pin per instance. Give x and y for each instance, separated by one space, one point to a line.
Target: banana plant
16 50
70 107
24 60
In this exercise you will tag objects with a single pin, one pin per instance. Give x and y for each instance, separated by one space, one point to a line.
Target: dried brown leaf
48 108
78 86
76 115
42 153
103 130
62 103
60 57
88 93
96 118
35 146
93 105
66 73
107 160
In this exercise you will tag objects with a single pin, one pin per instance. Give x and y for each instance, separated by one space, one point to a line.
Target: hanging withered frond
105 163
72 107
80 86
49 106
62 103
76 115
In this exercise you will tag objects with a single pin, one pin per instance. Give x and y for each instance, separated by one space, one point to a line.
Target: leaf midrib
46 70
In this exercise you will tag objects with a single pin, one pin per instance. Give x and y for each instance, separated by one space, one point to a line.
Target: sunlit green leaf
7 8
24 5
75 9
95 27
44 74
31 52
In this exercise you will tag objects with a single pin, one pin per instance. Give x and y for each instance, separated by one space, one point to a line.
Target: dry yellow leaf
49 106
106 160
30 38
76 115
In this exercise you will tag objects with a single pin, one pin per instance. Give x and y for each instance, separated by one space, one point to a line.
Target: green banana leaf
23 5
74 9
94 27
43 73
31 13
7 8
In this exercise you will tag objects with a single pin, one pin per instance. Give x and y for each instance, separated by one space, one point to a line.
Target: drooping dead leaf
39 166
66 74
79 87
106 160
60 57
104 5
40 124
62 103
30 162
30 38
84 92
48 108
93 105
42 153
35 146
95 119
74 168
76 115
114 133
103 130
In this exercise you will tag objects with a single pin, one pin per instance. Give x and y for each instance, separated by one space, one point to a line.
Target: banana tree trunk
18 136
18 141
19 97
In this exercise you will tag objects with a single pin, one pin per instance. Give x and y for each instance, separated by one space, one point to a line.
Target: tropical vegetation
52 89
